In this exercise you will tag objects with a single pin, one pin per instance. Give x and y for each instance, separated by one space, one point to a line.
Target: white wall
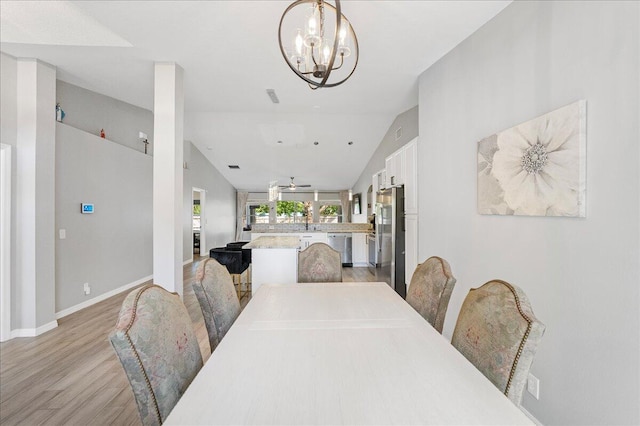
219 219
581 275
112 247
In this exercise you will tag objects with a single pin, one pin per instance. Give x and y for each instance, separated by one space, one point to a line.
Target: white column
168 127
35 196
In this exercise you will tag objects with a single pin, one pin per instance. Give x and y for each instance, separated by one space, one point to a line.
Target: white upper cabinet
410 151
394 165
378 183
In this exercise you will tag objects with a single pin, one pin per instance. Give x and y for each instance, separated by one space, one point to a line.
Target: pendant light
322 42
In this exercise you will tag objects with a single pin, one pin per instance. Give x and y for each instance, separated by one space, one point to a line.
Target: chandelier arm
341 63
313 56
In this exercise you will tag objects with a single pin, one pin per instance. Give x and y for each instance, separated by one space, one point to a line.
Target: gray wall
581 275
112 247
408 120
219 219
91 111
8 135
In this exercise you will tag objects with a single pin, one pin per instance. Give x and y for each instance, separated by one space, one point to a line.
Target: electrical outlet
87 289
533 386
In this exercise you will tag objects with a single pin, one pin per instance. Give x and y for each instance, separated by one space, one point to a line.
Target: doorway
199 221
5 243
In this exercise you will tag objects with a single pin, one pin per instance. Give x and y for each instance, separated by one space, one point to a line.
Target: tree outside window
330 213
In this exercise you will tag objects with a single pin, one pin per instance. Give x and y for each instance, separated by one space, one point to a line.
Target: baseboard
360 264
102 297
528 414
188 261
32 332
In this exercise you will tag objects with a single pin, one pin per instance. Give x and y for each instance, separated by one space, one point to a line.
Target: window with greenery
257 213
294 212
330 213
196 214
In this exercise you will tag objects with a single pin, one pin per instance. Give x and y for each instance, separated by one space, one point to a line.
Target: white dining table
338 353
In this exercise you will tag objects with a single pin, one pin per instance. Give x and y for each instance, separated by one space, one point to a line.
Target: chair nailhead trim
135 352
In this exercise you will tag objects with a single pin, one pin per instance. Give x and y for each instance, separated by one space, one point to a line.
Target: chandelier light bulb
326 54
299 42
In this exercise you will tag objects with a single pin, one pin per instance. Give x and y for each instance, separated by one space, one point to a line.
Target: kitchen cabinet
306 239
378 182
359 249
410 246
410 178
394 165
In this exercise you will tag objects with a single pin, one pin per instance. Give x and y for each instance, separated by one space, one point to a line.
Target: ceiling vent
234 166
273 96
399 133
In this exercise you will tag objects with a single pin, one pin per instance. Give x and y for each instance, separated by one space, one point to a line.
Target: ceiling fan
292 186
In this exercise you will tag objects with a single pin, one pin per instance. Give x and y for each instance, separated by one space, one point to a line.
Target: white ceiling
230 55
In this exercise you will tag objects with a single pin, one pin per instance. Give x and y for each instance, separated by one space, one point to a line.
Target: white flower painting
536 168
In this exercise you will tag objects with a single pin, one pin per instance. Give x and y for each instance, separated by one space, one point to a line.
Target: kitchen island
274 260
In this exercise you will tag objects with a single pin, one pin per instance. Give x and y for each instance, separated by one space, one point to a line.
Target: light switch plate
63 234
533 386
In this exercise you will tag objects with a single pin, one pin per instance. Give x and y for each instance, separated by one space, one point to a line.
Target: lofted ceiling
230 55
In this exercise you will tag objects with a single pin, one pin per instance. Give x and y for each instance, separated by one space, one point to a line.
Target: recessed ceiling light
279 142
316 143
234 166
350 142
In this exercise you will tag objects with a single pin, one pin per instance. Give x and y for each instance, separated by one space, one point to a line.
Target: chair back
430 290
157 346
217 297
498 332
319 263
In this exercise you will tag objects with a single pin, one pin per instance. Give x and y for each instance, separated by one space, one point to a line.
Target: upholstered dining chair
498 332
319 263
430 290
217 297
157 346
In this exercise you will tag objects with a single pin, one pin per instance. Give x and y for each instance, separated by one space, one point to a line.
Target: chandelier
322 42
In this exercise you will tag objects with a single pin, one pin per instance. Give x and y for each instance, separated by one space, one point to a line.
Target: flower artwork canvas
536 168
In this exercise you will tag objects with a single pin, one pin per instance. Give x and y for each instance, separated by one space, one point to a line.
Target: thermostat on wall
86 208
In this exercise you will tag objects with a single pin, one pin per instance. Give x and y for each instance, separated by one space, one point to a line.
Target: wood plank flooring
71 376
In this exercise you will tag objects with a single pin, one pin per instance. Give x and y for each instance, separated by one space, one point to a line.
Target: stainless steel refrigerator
390 236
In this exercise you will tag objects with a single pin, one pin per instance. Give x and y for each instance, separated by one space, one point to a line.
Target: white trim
101 297
5 248
188 261
528 414
33 332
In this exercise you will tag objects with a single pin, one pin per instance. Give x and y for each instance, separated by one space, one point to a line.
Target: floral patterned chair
497 331
430 290
319 263
157 346
218 300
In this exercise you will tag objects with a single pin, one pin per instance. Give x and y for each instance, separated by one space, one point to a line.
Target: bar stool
237 261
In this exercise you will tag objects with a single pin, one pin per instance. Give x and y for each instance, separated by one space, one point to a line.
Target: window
294 212
257 213
196 215
330 213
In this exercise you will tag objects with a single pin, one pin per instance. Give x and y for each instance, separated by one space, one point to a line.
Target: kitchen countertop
276 242
317 231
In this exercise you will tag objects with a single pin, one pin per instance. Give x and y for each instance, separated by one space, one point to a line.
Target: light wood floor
70 375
